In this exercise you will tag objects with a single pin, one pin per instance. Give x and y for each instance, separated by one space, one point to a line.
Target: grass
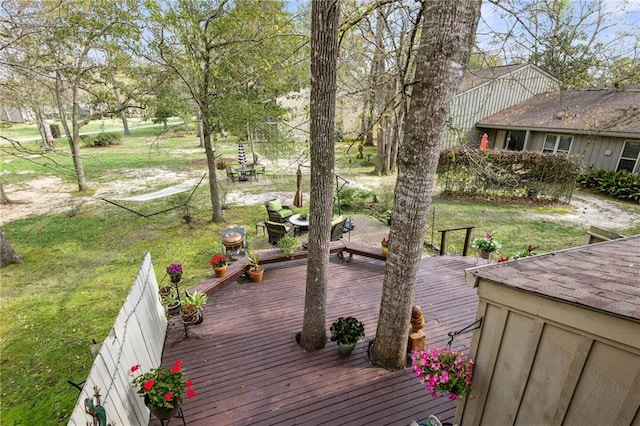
79 267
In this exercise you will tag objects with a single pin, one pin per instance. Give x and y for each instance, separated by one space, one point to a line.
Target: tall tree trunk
7 255
73 133
445 46
324 56
48 142
378 81
123 112
3 197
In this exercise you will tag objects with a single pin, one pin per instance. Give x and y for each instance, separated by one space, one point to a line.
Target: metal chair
337 228
231 176
277 212
277 230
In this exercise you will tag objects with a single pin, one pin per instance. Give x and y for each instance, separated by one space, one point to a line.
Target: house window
557 144
629 157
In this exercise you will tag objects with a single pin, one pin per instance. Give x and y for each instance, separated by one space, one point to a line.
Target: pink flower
191 393
453 396
168 396
135 368
189 383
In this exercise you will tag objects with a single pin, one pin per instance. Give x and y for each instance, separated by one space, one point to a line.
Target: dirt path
51 194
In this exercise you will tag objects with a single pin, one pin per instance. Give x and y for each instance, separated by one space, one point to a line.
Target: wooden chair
277 230
277 212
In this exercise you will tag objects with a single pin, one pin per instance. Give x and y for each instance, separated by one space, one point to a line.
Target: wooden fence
137 337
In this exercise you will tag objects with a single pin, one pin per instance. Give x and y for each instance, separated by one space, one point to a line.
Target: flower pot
485 254
346 348
193 318
256 274
174 309
176 280
221 271
163 413
164 291
385 251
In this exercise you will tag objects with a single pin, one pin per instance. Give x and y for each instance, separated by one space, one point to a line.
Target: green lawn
80 265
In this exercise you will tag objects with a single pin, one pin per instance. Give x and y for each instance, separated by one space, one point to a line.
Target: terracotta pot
256 275
221 271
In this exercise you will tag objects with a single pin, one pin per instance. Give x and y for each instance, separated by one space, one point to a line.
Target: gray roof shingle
578 111
603 276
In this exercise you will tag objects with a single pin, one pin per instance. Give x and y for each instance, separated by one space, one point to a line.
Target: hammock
166 192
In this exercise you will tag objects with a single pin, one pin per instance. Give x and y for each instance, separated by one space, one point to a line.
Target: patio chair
337 228
277 212
259 171
277 230
231 176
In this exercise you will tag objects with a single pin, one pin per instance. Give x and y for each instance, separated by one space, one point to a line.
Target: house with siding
486 91
602 126
481 93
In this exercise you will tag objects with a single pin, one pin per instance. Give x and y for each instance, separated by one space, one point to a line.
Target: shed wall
543 361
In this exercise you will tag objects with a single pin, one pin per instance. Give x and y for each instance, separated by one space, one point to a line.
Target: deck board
248 370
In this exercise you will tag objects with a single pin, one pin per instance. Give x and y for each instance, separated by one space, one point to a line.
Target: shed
560 338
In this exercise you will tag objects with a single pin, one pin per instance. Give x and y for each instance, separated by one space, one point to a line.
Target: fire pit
233 241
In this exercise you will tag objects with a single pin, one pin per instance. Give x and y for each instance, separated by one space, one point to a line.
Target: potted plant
444 371
486 245
287 245
172 302
385 246
165 289
346 332
304 215
192 304
256 271
219 263
175 272
162 389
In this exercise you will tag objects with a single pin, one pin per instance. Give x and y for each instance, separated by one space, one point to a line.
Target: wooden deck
248 370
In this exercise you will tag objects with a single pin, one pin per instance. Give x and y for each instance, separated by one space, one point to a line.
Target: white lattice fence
137 337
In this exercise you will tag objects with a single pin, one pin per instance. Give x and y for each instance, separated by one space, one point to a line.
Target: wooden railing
137 337
467 239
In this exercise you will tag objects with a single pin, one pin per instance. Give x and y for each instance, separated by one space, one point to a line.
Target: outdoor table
299 224
245 173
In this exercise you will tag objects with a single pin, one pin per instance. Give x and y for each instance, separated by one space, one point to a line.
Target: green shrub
508 173
106 139
622 184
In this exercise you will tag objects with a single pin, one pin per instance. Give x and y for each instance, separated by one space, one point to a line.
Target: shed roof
603 276
580 111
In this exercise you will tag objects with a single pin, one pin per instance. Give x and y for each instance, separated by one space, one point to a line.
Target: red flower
219 260
135 368
177 366
189 383
148 385
168 396
191 393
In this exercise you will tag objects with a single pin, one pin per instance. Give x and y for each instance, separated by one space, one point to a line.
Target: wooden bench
363 250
